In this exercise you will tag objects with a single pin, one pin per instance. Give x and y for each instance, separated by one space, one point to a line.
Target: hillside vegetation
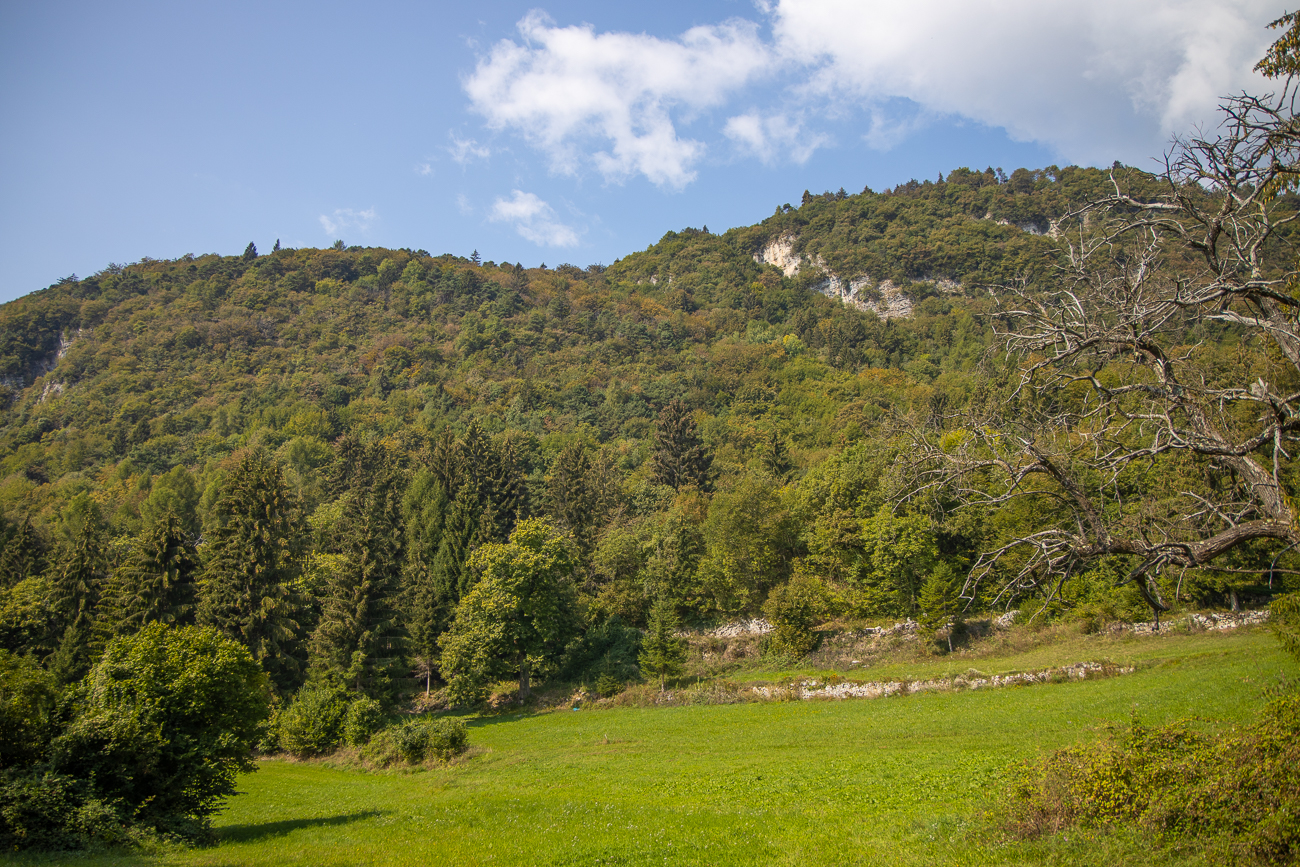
899 780
698 426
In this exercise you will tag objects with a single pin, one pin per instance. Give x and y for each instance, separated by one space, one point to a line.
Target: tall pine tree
254 558
77 573
155 583
680 458
428 605
569 498
359 638
22 553
662 652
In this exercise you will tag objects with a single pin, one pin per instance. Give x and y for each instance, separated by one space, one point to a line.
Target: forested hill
136 392
167 363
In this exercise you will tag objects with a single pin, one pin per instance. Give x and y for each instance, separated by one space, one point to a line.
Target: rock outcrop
884 298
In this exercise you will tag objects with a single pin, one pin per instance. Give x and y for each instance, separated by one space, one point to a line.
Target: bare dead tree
1120 381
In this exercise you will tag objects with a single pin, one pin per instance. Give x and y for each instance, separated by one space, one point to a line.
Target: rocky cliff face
882 297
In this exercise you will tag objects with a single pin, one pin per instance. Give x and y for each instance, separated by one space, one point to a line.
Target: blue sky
556 132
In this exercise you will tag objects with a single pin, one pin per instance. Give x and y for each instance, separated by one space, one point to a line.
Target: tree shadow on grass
263 830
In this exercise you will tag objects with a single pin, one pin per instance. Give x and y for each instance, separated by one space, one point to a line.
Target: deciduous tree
1119 384
519 615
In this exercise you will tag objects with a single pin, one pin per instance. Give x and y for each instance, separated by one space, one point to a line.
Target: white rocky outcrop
780 252
864 292
810 689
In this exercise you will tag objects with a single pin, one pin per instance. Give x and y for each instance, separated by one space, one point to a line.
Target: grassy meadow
887 781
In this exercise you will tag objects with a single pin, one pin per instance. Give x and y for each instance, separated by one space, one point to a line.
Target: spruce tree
470 494
254 558
359 639
940 601
662 652
155 584
680 458
776 457
78 572
427 607
22 553
569 499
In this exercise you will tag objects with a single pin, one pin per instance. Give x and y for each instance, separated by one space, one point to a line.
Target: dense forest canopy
701 428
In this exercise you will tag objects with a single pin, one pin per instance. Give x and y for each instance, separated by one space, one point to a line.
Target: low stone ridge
735 629
810 689
1214 622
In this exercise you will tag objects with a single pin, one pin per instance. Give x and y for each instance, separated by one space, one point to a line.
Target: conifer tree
662 652
459 533
77 575
487 495
155 584
445 463
250 252
680 458
940 601
358 640
22 553
776 457
254 558
569 496
428 607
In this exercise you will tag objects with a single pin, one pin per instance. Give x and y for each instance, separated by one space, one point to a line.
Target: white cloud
465 150
773 136
345 218
566 88
424 169
534 219
1095 81
1091 81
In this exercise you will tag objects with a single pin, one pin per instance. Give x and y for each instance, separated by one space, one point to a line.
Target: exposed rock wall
864 292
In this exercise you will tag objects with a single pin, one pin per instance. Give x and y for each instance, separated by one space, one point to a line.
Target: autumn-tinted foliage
306 449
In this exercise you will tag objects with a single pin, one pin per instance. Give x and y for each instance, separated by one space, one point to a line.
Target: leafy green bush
793 610
609 649
27 698
164 723
313 724
365 717
417 740
1238 792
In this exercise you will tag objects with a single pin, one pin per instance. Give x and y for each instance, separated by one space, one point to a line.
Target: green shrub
365 717
1239 793
36 809
417 740
793 610
44 810
164 723
608 685
313 724
160 728
27 698
608 648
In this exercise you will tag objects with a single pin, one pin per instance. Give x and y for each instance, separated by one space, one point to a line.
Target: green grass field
885 781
